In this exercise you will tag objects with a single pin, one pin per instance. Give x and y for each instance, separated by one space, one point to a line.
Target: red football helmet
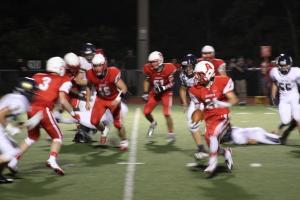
99 65
72 63
204 71
208 53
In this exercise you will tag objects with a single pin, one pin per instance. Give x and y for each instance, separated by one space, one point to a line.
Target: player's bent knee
30 141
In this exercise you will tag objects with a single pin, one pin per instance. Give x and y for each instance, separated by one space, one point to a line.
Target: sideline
129 182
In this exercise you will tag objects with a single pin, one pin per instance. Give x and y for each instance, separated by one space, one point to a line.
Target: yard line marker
129 182
273 109
126 163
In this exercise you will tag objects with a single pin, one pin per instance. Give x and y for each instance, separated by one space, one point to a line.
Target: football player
286 80
208 54
52 86
254 135
186 77
158 87
110 87
217 95
12 105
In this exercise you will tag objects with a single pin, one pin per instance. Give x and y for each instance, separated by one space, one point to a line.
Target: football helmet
56 65
204 71
88 48
72 62
155 59
188 64
87 51
284 63
26 86
208 53
99 65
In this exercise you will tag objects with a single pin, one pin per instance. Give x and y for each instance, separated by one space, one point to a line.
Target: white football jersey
288 83
186 81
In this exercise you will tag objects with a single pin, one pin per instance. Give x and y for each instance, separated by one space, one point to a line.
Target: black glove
159 89
274 101
145 96
125 96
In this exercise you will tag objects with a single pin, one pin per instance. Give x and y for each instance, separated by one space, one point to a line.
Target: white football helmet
208 53
72 62
99 59
204 71
56 65
156 56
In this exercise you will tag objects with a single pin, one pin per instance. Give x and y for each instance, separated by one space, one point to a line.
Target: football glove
159 89
125 96
145 96
274 100
11 130
195 125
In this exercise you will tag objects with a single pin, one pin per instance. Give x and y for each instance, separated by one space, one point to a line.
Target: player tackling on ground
216 92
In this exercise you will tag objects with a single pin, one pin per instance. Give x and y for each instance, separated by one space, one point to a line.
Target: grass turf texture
93 172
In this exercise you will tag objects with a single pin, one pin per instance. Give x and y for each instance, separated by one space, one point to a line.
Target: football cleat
151 129
3 180
124 145
55 167
212 165
228 158
200 155
171 137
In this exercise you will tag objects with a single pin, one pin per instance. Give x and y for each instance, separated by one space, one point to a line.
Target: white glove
195 125
11 130
145 96
221 104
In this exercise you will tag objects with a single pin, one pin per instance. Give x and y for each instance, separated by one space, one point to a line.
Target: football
197 116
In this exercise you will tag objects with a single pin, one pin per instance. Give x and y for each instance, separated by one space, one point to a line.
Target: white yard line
273 109
129 182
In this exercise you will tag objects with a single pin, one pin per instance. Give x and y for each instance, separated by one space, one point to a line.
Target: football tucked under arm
197 118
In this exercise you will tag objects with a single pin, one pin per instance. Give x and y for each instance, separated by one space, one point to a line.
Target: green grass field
154 169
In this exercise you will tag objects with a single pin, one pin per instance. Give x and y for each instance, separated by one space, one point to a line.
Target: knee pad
57 140
29 141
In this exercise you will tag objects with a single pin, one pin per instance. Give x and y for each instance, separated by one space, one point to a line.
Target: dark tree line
177 27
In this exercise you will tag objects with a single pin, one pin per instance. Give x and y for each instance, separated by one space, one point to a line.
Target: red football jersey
221 86
162 78
106 88
219 65
49 87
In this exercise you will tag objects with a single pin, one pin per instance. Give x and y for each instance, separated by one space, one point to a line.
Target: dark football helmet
88 51
26 86
188 64
88 48
284 63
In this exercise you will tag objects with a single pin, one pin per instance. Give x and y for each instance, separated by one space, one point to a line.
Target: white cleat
171 137
151 129
54 165
228 158
200 155
212 165
124 145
